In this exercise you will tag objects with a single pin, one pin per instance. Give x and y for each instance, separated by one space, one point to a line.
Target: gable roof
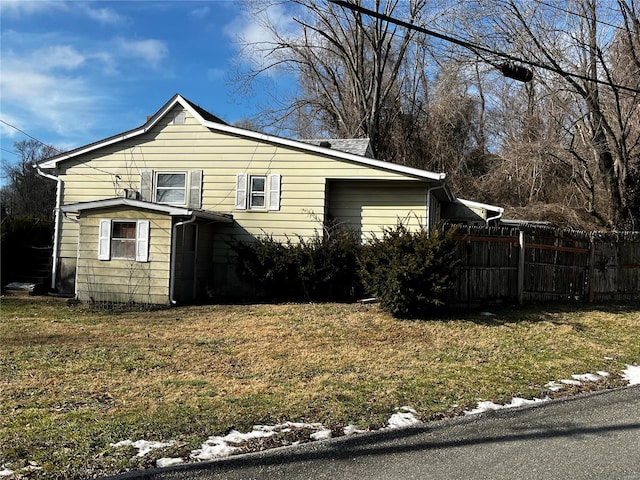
210 121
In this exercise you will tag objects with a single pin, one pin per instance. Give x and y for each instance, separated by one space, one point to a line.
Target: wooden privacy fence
498 265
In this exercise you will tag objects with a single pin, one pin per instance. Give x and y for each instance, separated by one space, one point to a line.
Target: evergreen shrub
323 268
410 273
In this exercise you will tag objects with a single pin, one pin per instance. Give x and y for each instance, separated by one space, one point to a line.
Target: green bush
410 273
323 268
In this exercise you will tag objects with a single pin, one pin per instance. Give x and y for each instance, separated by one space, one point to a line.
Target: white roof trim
139 204
472 204
371 162
178 99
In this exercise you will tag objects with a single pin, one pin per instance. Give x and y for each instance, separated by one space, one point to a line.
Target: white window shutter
241 191
104 240
195 189
146 185
142 241
274 191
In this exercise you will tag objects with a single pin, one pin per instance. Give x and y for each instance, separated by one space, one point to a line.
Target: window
123 240
176 188
171 188
257 192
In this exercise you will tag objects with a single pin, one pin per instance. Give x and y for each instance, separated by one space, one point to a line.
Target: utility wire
10 151
46 145
570 12
30 136
474 48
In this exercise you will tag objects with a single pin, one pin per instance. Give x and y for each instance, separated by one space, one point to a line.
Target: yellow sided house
147 215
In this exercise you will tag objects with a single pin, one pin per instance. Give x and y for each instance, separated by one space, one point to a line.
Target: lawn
74 381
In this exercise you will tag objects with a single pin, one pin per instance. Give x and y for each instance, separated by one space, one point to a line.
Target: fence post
521 258
591 270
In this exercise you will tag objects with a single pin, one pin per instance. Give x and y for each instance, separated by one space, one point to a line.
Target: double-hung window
174 188
257 193
171 188
123 240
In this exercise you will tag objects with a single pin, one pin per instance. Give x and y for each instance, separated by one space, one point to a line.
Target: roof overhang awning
153 207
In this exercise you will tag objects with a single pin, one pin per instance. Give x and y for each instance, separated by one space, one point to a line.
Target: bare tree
357 76
27 193
590 51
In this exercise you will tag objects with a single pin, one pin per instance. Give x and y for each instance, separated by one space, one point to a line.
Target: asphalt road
595 436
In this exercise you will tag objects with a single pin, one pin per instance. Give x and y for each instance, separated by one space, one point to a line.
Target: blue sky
73 72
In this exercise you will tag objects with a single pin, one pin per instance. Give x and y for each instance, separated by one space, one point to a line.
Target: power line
10 151
474 47
570 12
30 136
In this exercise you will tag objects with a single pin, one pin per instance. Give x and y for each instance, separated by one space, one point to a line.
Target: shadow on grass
544 312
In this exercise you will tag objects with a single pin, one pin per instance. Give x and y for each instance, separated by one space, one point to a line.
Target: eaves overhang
153 207
215 124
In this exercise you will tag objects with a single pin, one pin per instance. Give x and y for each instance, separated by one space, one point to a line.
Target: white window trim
272 190
185 189
193 187
143 232
264 193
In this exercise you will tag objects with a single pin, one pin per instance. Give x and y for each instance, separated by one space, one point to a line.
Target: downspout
56 224
429 190
172 268
497 217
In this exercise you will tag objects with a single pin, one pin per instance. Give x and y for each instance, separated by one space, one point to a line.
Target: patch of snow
352 430
323 434
213 447
487 314
570 382
554 386
587 377
602 373
168 462
405 418
632 374
236 437
515 402
143 446
217 447
5 472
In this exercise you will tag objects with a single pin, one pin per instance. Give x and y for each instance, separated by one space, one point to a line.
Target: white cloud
57 56
46 100
17 8
255 32
215 73
201 12
23 7
151 51
106 16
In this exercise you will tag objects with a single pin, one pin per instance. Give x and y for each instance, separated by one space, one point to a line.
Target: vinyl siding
108 171
370 207
124 280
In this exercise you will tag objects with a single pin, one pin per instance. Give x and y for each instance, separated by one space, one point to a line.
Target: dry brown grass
72 381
